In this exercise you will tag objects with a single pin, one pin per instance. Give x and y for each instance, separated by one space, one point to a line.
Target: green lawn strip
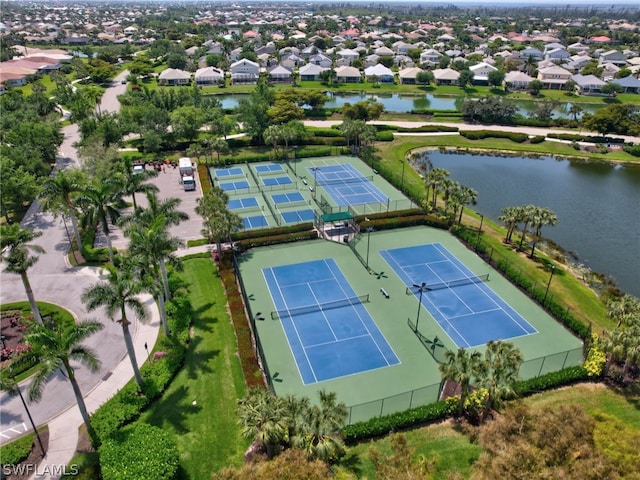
207 434
452 451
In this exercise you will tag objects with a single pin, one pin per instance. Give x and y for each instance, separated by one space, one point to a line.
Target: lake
403 103
597 204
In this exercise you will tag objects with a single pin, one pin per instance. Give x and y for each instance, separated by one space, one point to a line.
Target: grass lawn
207 434
451 450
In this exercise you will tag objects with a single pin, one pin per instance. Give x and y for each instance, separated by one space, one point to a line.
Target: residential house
578 48
174 76
234 54
379 74
554 77
609 71
347 74
130 30
321 60
244 71
347 55
517 80
430 58
280 74
403 61
292 61
408 76
629 84
588 84
557 55
311 72
401 48
209 76
525 53
481 72
384 52
371 60
613 56
446 76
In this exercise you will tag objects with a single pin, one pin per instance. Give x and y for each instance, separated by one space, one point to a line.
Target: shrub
139 452
537 139
16 451
384 136
382 425
596 358
562 377
481 134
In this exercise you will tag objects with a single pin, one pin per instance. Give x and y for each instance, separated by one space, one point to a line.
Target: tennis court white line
367 328
326 320
294 327
337 341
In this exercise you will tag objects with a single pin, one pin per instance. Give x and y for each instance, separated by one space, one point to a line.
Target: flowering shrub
474 403
596 359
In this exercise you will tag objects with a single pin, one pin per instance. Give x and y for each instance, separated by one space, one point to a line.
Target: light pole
479 229
544 300
369 230
33 425
315 180
421 288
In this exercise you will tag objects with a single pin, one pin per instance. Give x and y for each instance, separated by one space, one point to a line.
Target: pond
403 103
597 204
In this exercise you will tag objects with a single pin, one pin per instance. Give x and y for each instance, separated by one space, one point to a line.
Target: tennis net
339 181
345 302
450 284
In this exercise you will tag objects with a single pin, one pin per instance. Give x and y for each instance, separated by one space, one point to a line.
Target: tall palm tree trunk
524 234
32 301
95 441
131 351
105 230
74 225
163 313
165 279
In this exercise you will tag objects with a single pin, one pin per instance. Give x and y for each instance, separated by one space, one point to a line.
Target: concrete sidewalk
63 430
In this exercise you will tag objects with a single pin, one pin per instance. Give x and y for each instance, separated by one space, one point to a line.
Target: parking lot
168 183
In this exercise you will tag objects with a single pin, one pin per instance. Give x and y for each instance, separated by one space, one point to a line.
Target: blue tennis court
470 313
229 172
268 168
298 216
271 181
231 186
346 185
329 330
292 197
256 221
240 203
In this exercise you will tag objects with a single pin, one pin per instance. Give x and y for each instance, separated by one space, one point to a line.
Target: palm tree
527 216
263 417
14 241
55 349
498 373
460 368
219 222
575 110
155 208
117 293
218 145
541 218
433 181
318 428
154 244
99 202
272 135
625 310
56 195
509 218
133 183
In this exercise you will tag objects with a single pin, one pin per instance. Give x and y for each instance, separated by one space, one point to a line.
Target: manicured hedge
481 134
324 132
16 451
276 239
384 136
585 138
379 426
139 452
537 139
550 380
427 128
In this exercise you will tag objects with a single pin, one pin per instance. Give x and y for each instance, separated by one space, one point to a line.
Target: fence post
411 399
381 407
566 356
542 365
